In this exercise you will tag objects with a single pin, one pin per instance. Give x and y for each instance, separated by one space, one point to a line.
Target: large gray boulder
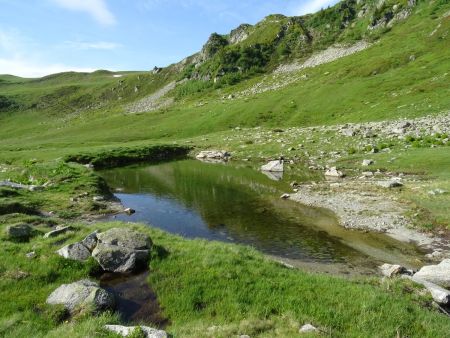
80 295
18 231
125 331
116 258
439 294
126 238
76 251
438 274
121 250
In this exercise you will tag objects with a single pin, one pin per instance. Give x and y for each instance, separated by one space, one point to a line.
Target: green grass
202 284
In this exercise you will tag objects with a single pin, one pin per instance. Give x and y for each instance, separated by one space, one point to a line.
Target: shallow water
236 203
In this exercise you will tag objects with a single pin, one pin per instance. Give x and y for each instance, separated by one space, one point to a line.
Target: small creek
236 203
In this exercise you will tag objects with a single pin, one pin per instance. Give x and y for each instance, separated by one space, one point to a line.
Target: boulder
333 172
19 231
125 331
274 166
82 294
438 274
76 251
58 231
126 238
120 259
366 163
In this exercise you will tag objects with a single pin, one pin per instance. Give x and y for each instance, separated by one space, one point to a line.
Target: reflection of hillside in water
222 202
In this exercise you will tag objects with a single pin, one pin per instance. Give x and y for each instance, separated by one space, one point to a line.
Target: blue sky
40 37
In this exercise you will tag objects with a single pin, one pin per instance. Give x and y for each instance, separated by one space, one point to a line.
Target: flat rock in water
125 331
57 232
76 251
438 274
275 166
82 294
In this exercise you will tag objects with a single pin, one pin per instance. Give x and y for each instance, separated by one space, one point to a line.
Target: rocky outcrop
146 331
239 34
80 295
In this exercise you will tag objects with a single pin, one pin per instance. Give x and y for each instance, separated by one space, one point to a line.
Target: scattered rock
125 331
333 172
274 166
438 274
58 231
394 183
307 328
391 270
76 251
31 255
213 155
82 294
366 163
437 192
19 231
98 198
285 196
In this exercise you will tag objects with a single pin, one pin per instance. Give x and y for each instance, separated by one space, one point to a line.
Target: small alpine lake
234 202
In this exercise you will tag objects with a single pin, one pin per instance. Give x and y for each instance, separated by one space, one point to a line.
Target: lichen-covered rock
120 259
90 241
76 251
126 238
80 295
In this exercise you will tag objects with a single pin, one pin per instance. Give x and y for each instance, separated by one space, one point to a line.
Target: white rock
276 166
366 163
391 270
333 172
439 294
308 328
438 274
125 331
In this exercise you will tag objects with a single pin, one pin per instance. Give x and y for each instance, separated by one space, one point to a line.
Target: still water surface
236 203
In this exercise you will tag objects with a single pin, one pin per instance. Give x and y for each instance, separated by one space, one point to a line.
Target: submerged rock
274 166
125 331
82 294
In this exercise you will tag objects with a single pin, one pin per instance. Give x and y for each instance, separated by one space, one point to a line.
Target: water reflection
239 204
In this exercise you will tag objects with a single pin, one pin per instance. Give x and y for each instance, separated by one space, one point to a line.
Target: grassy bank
210 289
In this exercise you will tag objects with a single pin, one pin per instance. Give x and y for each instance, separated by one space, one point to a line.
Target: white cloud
26 68
313 6
98 9
101 45
16 58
